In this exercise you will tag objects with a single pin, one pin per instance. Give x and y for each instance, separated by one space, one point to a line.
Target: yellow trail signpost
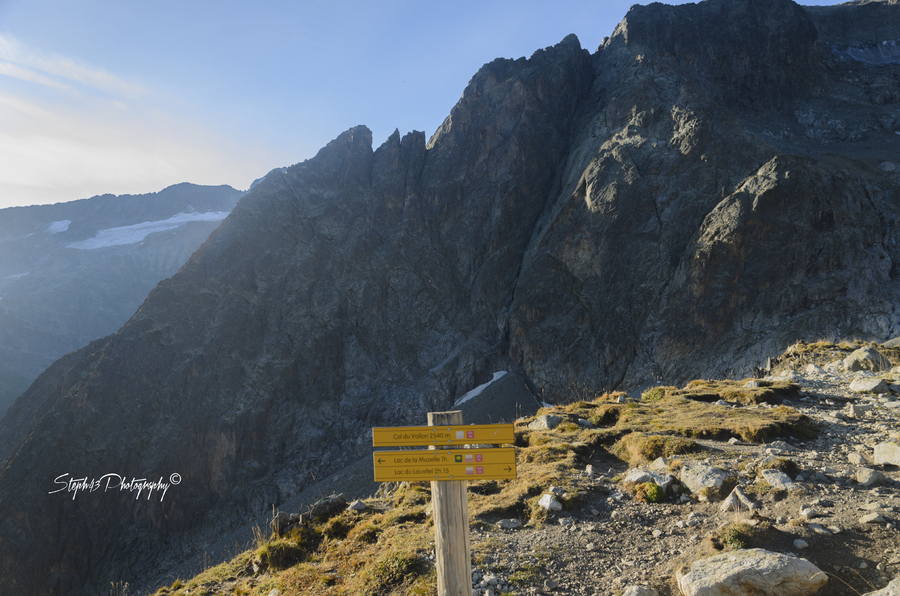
448 467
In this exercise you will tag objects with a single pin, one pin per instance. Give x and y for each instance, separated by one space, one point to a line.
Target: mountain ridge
583 219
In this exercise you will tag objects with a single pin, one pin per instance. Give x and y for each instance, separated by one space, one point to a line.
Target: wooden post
451 524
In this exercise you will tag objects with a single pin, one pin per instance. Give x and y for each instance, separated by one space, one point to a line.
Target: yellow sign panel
445 464
408 436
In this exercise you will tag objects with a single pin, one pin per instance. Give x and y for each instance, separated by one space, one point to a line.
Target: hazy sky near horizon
103 96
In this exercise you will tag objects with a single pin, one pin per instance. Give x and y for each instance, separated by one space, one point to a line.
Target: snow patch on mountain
55 227
884 53
477 391
137 232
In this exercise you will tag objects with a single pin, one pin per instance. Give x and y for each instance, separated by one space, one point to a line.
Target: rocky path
838 510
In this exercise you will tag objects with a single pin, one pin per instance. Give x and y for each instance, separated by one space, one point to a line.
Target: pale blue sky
122 96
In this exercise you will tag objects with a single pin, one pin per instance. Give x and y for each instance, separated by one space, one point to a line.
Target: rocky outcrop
680 203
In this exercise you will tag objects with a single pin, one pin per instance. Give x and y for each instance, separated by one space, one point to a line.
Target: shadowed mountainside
74 272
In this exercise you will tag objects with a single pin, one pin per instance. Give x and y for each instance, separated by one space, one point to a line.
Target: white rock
357 506
866 358
751 571
550 503
782 445
509 524
545 421
887 453
752 384
868 385
737 501
869 477
660 464
858 410
800 543
703 480
777 479
871 518
619 516
639 591
857 459
808 512
639 476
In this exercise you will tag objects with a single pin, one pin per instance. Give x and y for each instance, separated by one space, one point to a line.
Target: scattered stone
800 544
357 506
866 358
545 422
551 584
869 477
705 481
660 464
751 571
856 458
589 471
639 591
639 476
818 529
752 383
777 479
887 453
738 501
509 524
619 516
814 369
857 410
868 385
871 518
566 521
550 503
782 446
808 512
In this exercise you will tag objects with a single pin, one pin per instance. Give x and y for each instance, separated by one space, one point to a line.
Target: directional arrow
444 464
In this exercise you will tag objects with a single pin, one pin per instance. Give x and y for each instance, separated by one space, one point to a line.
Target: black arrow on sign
380 460
508 469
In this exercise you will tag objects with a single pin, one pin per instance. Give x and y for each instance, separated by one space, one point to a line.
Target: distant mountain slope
74 272
717 181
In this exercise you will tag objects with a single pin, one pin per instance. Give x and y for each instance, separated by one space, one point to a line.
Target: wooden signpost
448 467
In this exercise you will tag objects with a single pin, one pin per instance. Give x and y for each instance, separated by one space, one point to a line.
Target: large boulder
749 572
866 358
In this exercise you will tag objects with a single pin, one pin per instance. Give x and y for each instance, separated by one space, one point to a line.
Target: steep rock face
74 272
676 204
358 288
